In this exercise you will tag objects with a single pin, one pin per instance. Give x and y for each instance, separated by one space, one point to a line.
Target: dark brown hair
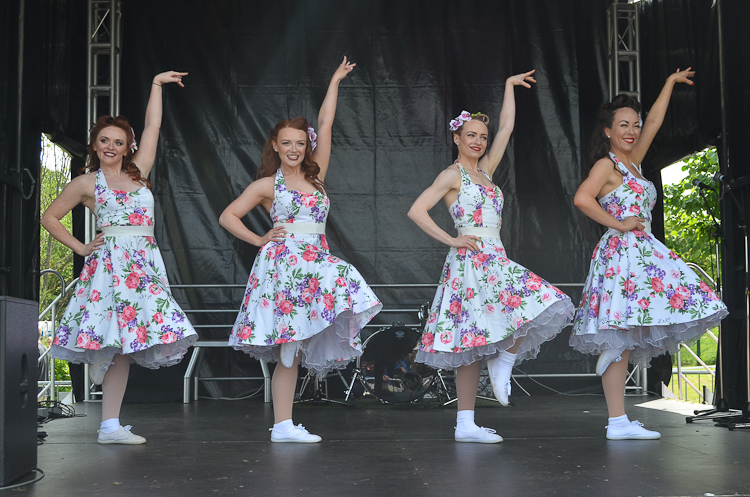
128 167
605 115
270 162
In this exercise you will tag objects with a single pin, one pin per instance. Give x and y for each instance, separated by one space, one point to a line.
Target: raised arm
260 192
655 116
146 154
492 158
322 153
603 178
448 180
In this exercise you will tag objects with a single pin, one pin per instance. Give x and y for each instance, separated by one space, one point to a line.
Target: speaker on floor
18 357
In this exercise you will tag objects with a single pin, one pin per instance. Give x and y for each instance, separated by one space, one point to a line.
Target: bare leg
515 346
613 381
113 386
467 382
283 385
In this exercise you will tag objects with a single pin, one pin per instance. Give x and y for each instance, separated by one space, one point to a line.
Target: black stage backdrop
419 64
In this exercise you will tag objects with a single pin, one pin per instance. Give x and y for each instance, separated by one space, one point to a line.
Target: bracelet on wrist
157 84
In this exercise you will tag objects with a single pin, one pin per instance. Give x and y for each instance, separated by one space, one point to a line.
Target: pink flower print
446 337
672 255
158 318
333 260
478 259
323 242
155 290
82 340
633 185
84 276
609 272
307 297
657 285
455 284
614 210
80 292
477 216
533 285
135 219
634 209
278 298
115 280
313 285
515 301
132 281
292 260
309 200
433 317
705 287
91 268
492 279
94 296
100 199
428 339
281 340
462 251
286 306
141 334
617 315
467 339
314 316
489 309
676 301
253 282
169 337
264 303
246 301
245 333
628 286
479 341
643 303
127 200
328 301
658 254
517 322
683 291
546 297
503 261
675 274
447 275
469 293
340 281
455 307
503 296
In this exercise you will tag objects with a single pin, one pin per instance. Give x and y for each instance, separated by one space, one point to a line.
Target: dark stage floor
553 445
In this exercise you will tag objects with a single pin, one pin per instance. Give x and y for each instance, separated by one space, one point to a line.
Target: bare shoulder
603 168
84 183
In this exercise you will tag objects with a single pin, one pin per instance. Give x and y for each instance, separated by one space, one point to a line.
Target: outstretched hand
523 79
170 77
344 68
682 76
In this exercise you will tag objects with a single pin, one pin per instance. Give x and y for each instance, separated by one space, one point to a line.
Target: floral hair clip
133 144
640 121
313 137
461 119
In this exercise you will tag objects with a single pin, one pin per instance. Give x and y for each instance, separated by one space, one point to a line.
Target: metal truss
623 50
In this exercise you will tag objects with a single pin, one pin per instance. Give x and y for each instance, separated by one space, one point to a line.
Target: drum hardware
320 389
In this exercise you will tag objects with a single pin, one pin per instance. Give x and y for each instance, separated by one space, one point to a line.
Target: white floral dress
639 295
122 303
485 301
298 292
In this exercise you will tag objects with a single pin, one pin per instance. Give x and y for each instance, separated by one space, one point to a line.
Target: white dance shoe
606 358
480 435
289 351
500 379
298 434
121 436
98 369
631 431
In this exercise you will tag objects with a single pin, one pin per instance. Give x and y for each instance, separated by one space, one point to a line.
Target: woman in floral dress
122 310
640 299
302 305
487 307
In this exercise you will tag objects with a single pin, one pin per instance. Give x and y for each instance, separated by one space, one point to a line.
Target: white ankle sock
283 426
619 421
465 420
110 425
507 359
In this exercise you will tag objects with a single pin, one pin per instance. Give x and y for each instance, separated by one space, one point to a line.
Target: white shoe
121 436
288 353
98 369
480 435
631 431
297 434
500 380
606 358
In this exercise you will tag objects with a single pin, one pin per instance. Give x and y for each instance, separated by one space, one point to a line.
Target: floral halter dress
485 301
640 295
298 291
122 302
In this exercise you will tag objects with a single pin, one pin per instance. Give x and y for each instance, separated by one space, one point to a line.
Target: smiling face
472 142
111 146
290 145
625 130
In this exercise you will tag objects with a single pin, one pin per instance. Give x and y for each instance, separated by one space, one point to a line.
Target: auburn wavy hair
127 166
270 162
605 116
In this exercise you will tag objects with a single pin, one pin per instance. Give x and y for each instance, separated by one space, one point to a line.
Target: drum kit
387 371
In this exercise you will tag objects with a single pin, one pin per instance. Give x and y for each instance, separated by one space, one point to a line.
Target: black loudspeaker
18 355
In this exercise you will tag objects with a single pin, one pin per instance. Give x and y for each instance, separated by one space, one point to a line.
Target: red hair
270 162
127 166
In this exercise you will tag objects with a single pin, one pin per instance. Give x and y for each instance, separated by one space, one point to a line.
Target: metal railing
52 384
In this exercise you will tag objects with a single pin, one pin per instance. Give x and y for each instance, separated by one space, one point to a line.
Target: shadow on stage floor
554 445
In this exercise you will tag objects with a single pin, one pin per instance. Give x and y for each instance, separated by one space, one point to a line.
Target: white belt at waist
128 230
303 228
480 232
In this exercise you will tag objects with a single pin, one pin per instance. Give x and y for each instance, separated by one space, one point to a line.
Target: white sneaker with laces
298 434
606 358
500 380
288 353
631 431
479 435
121 436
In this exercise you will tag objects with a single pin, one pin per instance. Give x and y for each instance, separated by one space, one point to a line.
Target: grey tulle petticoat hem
154 357
541 329
329 349
646 342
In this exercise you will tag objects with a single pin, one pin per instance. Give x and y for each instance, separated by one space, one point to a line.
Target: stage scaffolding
623 50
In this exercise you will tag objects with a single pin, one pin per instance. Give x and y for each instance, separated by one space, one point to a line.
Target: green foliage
62 373
55 174
687 224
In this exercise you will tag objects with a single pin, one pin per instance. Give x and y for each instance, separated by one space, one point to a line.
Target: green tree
688 227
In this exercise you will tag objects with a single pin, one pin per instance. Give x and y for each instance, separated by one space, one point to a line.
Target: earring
609 136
